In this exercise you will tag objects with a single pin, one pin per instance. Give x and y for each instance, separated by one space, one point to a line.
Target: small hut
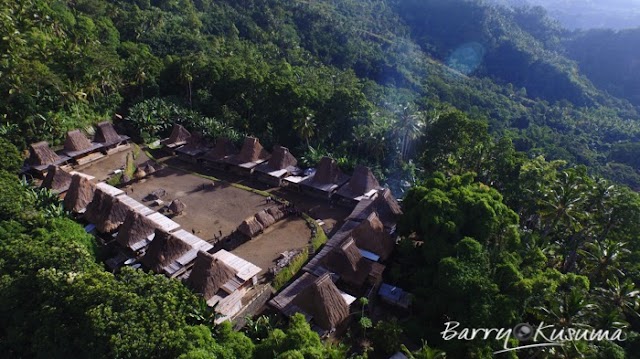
251 155
136 231
79 195
41 156
327 178
265 219
148 168
363 184
276 213
179 136
209 275
78 146
57 180
139 173
281 164
250 227
370 236
163 250
323 302
177 206
107 136
217 156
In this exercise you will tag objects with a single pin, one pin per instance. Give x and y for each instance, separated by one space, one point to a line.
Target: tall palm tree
603 259
408 127
305 126
625 296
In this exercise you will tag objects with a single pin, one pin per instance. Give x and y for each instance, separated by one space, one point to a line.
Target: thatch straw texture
224 147
385 205
136 227
282 159
250 227
323 301
57 180
251 151
177 206
106 212
41 154
164 249
209 274
348 262
327 171
105 133
276 213
265 218
79 195
371 236
76 141
179 134
360 183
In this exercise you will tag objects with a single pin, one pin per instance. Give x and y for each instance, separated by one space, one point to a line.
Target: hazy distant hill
589 14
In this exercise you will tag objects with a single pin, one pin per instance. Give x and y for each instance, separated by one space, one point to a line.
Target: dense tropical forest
519 144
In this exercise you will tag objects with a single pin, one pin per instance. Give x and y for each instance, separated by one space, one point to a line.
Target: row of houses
149 239
350 265
278 168
78 149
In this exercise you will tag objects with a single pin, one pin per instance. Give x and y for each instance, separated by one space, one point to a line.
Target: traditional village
226 220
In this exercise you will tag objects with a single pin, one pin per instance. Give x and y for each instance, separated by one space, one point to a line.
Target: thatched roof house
223 149
195 146
323 302
354 269
57 179
327 178
107 135
163 250
41 156
79 195
209 275
250 227
265 219
106 212
276 213
135 231
77 144
384 204
281 159
280 165
371 236
177 206
252 152
361 183
179 136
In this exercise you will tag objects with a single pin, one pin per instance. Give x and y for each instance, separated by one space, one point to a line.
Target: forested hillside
517 140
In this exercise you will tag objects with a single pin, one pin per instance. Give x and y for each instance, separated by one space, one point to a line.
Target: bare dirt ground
263 250
102 168
210 209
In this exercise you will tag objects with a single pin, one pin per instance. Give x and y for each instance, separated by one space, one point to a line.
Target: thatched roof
57 180
105 133
177 206
371 236
324 302
76 141
385 205
327 171
135 228
281 158
265 218
348 262
250 227
251 151
276 213
106 212
140 173
41 154
224 147
164 249
80 194
208 275
179 134
360 183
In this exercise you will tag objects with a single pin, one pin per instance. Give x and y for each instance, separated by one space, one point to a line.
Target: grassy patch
115 180
319 239
130 166
285 275
136 151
